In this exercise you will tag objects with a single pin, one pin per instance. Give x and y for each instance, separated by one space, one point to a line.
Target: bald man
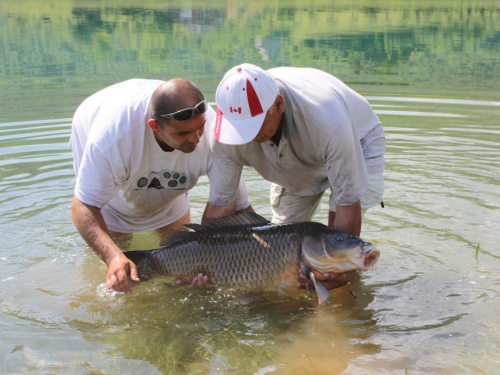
138 148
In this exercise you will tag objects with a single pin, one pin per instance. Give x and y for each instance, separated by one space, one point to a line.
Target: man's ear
280 104
154 125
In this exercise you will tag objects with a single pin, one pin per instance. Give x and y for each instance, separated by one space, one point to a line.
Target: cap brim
237 132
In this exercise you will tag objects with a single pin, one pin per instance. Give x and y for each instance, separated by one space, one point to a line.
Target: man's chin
187 149
261 139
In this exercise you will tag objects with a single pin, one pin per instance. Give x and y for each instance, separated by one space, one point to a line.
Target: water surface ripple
429 306
435 283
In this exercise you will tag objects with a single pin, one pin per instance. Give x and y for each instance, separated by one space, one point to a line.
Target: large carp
248 250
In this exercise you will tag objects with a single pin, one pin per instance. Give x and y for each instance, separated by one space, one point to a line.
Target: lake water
430 69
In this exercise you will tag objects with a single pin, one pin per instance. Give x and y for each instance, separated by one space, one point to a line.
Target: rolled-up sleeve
345 164
242 201
224 176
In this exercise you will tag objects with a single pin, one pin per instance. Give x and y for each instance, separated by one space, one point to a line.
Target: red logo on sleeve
218 124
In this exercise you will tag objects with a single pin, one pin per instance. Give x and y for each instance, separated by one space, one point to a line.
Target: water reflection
391 44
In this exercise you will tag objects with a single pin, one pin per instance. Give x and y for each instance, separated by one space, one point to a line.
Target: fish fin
196 227
248 217
242 217
175 237
324 296
137 256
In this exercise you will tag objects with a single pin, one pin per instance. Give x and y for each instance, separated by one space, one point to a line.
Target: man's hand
119 268
90 223
199 281
331 280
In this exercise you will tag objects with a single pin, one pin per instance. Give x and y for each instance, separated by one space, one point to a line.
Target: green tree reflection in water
395 43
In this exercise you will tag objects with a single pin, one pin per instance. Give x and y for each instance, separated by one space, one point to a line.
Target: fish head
326 249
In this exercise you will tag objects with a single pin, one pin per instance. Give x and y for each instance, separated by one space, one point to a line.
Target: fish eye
340 238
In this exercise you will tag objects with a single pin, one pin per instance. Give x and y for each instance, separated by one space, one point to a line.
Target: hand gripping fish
247 250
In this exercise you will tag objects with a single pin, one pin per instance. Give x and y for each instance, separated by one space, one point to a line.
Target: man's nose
195 137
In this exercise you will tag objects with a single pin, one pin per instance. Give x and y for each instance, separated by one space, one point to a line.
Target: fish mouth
369 257
363 257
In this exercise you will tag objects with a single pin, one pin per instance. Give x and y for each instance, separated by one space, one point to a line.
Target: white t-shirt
121 168
331 138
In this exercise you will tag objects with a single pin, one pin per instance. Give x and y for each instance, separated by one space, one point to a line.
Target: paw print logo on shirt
165 179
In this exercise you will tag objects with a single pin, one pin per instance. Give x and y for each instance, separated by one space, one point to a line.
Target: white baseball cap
243 97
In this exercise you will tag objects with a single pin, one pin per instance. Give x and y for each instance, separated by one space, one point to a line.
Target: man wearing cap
138 148
305 131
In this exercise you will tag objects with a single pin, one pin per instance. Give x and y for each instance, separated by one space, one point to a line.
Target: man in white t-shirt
305 131
138 148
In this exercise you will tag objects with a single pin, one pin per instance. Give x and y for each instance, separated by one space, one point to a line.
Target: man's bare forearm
90 223
347 219
213 211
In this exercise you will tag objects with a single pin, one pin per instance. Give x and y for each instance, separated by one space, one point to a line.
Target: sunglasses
188 113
